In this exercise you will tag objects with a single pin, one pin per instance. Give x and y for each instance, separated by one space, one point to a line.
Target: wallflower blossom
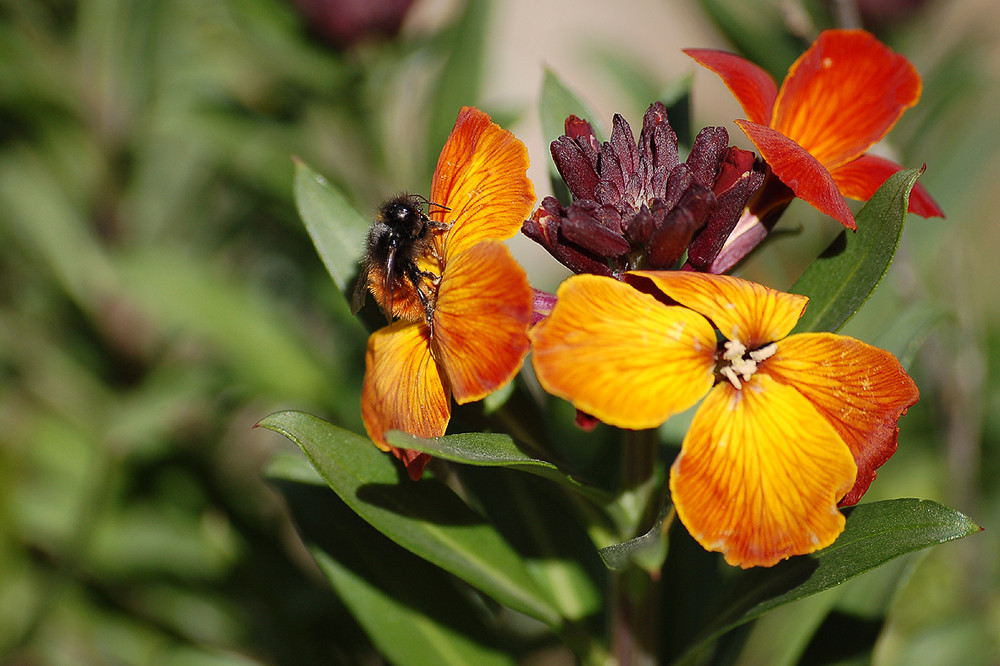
636 205
482 302
841 97
790 425
345 24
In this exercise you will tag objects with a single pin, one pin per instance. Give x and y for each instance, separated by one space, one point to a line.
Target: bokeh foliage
159 295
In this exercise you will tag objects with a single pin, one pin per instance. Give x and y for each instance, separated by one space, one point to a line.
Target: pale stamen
741 364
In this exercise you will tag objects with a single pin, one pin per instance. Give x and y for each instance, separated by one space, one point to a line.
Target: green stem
635 593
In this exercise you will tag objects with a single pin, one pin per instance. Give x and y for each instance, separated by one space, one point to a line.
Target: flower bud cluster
636 205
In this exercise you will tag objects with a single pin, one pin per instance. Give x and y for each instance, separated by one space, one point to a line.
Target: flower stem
635 593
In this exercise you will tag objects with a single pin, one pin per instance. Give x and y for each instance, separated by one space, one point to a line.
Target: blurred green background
159 295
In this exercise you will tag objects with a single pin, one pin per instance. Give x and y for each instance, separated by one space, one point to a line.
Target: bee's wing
389 283
360 289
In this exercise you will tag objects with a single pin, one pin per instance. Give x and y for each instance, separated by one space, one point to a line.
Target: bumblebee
400 257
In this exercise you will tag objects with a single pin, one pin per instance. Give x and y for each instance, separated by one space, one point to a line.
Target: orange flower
482 303
841 97
790 425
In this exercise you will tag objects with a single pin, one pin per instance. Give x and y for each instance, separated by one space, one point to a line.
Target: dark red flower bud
737 181
706 155
670 240
635 205
575 166
584 229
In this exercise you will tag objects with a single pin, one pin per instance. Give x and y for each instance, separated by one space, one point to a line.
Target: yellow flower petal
621 355
759 474
860 389
742 310
403 389
481 178
481 320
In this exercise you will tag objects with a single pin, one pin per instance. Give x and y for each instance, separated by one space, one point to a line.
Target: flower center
738 365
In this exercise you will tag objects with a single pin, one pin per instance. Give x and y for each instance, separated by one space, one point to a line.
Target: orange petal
859 180
752 86
843 95
480 177
800 171
481 320
860 389
621 355
413 461
759 474
742 310
404 390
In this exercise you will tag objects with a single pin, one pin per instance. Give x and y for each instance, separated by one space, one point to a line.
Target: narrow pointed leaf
677 98
875 534
291 467
907 333
493 450
556 103
337 230
842 278
556 549
412 611
647 550
182 294
758 30
461 76
427 518
403 634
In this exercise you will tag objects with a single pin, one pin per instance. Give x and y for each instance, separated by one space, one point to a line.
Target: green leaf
41 216
337 230
677 98
907 333
542 524
780 637
845 275
426 518
758 31
874 534
557 102
244 329
493 450
648 550
292 467
403 634
411 610
461 76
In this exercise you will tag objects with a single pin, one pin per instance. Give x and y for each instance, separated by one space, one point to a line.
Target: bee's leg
426 299
427 296
428 310
438 226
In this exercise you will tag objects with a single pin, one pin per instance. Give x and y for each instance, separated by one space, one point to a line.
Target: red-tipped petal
860 389
796 168
859 180
481 320
843 95
759 474
753 87
404 389
414 461
480 177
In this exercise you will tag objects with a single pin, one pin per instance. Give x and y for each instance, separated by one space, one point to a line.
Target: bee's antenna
427 202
